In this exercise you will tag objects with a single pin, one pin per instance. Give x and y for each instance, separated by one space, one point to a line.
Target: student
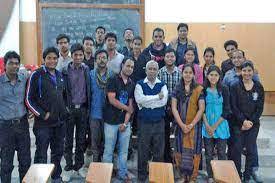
215 128
88 45
189 56
99 37
208 56
170 75
63 44
117 116
188 107
99 78
247 92
14 126
181 43
128 36
155 51
230 46
115 58
78 87
46 98
151 96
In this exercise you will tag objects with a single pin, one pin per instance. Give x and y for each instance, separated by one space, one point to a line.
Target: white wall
10 39
172 11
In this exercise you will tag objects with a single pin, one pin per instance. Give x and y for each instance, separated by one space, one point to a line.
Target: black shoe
68 167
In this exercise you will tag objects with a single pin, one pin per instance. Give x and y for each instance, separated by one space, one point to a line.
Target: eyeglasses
232 49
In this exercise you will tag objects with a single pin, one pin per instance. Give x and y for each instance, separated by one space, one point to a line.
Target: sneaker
256 177
83 172
67 175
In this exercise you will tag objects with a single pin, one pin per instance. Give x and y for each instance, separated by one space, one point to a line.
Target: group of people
98 95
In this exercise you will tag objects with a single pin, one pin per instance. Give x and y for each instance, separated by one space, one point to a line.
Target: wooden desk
38 173
224 171
161 172
99 173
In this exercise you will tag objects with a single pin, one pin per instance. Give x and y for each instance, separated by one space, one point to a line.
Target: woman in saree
188 107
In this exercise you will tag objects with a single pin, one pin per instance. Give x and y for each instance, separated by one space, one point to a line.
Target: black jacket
68 86
45 94
148 54
246 105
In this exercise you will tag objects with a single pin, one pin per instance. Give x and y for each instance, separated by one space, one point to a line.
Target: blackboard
93 1
79 22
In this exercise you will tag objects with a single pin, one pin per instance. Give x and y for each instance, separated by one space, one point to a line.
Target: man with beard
99 78
117 116
155 51
88 45
99 37
63 43
14 126
128 36
115 58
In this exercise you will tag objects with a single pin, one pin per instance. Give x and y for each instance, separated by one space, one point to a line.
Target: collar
45 69
166 70
69 55
6 79
147 81
71 65
128 80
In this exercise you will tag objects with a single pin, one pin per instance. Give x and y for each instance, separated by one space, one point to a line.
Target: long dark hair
188 49
219 83
193 84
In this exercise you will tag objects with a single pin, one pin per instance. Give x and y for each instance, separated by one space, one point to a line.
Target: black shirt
247 105
226 66
124 92
90 62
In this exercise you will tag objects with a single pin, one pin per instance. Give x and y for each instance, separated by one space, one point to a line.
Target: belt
11 121
78 106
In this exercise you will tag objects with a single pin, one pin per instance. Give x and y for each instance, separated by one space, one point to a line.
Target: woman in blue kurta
215 129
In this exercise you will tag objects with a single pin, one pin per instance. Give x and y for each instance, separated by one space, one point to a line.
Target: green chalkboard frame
39 6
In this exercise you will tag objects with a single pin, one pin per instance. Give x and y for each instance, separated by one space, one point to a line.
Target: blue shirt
12 97
231 77
98 97
213 111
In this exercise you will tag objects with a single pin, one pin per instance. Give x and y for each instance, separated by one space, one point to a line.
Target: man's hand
122 127
247 125
47 116
161 95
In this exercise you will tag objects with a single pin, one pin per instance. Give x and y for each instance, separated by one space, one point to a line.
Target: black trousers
78 121
14 137
150 144
53 137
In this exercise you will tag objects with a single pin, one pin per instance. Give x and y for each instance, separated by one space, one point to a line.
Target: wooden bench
99 173
38 173
224 171
161 172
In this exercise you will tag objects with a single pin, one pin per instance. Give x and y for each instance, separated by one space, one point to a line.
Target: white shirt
150 101
63 62
115 64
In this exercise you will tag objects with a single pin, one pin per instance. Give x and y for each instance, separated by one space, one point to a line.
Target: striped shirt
170 79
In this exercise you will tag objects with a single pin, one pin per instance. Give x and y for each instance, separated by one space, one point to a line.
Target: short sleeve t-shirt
124 92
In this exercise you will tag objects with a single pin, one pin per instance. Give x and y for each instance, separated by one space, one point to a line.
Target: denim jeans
16 138
111 135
